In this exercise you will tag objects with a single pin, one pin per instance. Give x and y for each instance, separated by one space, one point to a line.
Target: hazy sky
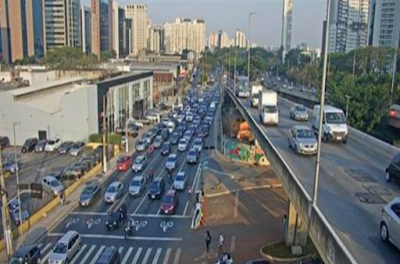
229 15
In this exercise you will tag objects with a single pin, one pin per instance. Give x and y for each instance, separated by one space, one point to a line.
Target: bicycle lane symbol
166 225
71 221
139 224
92 222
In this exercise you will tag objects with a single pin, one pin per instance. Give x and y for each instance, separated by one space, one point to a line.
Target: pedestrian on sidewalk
221 244
208 240
62 197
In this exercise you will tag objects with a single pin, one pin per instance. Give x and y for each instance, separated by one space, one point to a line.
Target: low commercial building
72 109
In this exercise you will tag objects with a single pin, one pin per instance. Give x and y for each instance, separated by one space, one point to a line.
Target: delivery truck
268 107
255 89
334 126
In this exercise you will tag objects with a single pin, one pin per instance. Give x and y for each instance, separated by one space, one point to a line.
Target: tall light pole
321 110
393 72
249 44
126 127
17 172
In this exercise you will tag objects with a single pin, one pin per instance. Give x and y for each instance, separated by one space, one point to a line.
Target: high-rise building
62 23
240 39
385 24
21 23
118 30
122 32
224 40
138 15
154 40
213 41
86 29
102 26
287 13
128 35
348 25
184 34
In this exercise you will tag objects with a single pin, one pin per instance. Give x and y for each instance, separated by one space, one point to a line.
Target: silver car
171 162
302 140
141 145
198 144
137 186
52 185
180 181
191 157
113 192
183 144
390 223
158 142
140 163
77 149
299 112
66 248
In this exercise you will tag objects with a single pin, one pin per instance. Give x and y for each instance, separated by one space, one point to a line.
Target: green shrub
115 139
96 138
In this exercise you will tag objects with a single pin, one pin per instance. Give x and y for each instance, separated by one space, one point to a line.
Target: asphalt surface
348 173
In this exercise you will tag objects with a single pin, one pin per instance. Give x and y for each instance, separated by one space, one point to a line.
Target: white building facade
138 15
386 23
287 14
240 39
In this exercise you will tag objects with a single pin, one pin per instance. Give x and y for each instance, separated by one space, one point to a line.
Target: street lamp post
249 44
126 128
321 111
17 172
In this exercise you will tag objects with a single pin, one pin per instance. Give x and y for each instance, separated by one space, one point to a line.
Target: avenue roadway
350 173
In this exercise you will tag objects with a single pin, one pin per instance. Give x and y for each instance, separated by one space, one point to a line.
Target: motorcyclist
151 149
169 176
150 175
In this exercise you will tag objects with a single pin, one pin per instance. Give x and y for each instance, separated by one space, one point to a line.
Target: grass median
280 250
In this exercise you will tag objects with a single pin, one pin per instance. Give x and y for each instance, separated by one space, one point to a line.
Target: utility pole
234 72
393 73
104 136
321 110
17 174
248 48
126 128
5 213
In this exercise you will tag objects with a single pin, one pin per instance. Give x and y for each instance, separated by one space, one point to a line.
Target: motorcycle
149 176
226 259
129 228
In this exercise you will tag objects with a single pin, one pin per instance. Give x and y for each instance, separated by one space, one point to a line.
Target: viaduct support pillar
296 230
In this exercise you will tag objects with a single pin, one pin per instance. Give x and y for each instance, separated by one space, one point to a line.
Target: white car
198 144
113 192
171 162
140 163
137 186
390 223
52 185
52 145
183 144
180 181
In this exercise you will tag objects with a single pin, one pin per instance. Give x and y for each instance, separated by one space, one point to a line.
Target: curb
272 258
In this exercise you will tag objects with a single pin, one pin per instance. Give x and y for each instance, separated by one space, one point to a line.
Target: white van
66 248
334 125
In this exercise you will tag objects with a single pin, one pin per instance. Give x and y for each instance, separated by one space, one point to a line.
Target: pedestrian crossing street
132 255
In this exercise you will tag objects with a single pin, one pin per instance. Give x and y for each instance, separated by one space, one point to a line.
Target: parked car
393 169
170 164
137 186
140 163
110 255
142 145
192 157
166 148
183 144
302 140
90 193
156 188
52 185
73 171
66 248
65 147
117 217
170 203
29 254
113 192
40 145
17 216
11 166
90 160
77 149
29 145
4 142
180 181
52 145
124 162
390 223
299 112
135 122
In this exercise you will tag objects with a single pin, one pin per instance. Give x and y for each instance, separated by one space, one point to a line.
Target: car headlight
115 222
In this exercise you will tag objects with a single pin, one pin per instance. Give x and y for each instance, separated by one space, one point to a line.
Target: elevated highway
344 225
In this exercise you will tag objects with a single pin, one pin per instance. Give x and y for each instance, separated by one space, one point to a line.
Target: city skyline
266 28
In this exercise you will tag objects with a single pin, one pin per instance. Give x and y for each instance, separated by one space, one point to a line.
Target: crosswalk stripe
78 254
88 254
137 255
45 248
157 256
177 256
40 246
120 250
44 259
98 254
147 256
167 255
127 255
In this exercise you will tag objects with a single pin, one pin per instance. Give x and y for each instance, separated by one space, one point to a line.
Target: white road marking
146 256
157 256
167 255
121 237
159 216
89 213
120 249
233 244
97 254
177 256
127 255
137 255
186 207
45 248
88 254
78 254
44 259
236 208
140 204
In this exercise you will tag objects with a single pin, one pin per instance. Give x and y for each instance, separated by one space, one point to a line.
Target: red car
170 202
124 163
